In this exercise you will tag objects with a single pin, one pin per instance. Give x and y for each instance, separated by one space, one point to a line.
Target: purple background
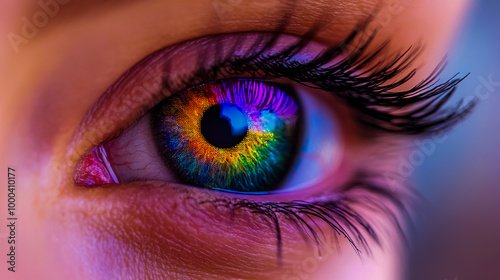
457 234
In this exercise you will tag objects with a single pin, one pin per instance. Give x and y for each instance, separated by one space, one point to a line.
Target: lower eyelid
169 225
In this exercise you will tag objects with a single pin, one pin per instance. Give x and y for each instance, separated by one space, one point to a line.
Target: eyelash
369 92
337 214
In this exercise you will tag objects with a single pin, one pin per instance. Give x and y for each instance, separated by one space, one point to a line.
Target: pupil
224 125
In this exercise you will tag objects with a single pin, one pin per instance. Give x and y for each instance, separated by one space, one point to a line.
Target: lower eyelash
339 213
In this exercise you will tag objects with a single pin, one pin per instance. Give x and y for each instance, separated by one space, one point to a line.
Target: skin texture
149 230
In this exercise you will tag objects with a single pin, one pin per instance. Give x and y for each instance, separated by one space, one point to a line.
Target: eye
243 114
240 135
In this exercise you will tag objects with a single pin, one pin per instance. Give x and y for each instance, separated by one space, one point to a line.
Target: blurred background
457 234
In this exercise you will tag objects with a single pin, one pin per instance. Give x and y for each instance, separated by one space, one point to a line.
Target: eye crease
185 152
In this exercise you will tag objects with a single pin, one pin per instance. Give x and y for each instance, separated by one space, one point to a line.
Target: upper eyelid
359 77
147 93
363 82
142 84
134 93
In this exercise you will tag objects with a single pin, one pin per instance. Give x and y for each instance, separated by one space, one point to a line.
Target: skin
49 85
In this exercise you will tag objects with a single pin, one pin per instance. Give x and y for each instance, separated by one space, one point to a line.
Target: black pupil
224 125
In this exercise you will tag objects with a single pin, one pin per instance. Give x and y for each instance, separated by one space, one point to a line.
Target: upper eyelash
361 82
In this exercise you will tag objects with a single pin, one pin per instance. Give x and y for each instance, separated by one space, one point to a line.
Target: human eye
305 136
236 135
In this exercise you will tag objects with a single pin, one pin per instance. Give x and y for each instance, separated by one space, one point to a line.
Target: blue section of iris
236 118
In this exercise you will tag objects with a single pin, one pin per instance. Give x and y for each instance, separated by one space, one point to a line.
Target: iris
236 135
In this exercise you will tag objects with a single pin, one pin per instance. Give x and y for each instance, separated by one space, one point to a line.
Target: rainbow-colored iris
237 135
